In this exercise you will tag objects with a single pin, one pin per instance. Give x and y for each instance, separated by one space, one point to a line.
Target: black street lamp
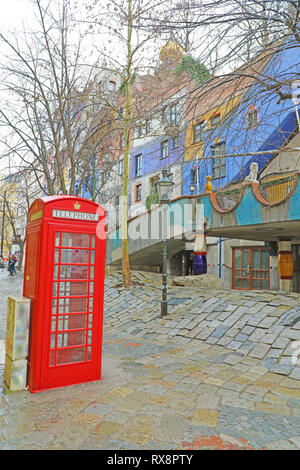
192 185
163 187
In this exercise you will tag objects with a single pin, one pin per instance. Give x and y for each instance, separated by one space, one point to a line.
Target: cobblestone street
217 373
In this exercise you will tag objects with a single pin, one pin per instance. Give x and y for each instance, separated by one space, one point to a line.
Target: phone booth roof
65 207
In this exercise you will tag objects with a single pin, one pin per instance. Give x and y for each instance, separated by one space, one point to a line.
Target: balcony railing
228 198
276 190
273 191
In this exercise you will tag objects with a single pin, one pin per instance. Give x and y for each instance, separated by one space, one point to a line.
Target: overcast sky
13 13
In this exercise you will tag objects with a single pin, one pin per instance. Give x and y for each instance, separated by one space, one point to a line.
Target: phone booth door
74 331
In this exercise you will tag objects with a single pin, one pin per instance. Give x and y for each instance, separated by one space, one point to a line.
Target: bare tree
47 118
242 30
121 23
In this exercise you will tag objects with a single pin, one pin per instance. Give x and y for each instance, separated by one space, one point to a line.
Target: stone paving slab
144 411
258 324
163 388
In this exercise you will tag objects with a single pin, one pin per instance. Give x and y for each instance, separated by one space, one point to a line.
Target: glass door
260 269
251 268
241 269
296 276
72 298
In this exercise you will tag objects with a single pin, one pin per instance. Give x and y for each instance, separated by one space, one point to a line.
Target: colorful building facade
227 125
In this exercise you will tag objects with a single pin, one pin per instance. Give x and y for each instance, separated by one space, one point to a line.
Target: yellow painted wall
192 149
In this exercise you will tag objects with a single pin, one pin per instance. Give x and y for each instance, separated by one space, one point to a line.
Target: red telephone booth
64 278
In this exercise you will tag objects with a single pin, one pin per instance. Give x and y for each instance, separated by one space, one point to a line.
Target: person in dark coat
12 264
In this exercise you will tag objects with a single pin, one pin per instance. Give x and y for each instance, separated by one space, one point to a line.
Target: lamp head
164 185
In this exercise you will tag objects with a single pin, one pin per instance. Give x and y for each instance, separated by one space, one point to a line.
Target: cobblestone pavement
217 373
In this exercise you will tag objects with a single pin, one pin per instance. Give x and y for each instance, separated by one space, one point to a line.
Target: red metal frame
254 273
65 281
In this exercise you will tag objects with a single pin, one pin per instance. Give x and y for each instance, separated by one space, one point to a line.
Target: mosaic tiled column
285 265
200 262
16 347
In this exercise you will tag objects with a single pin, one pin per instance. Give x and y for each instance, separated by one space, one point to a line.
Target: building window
215 120
138 192
164 149
197 131
252 118
138 165
218 164
174 114
105 176
122 141
120 168
120 113
170 60
145 129
112 85
148 126
174 142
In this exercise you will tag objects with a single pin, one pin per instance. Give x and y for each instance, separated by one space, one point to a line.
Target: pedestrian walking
12 265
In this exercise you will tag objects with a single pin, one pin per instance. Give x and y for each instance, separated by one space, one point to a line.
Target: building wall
276 122
223 256
215 256
285 162
194 149
138 207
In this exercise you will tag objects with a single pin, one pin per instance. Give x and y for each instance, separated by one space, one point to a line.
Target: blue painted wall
152 160
89 182
276 122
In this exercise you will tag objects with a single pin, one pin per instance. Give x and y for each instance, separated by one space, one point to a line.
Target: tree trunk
127 281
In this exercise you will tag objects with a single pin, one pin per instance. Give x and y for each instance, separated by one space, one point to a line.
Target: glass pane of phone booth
72 298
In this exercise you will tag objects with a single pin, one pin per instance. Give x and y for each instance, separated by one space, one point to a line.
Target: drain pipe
220 257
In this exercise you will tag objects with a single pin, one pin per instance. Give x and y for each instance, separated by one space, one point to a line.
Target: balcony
276 190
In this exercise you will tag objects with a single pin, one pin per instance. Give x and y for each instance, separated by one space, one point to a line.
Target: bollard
16 346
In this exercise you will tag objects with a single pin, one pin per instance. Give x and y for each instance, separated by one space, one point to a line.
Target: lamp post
192 185
163 186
